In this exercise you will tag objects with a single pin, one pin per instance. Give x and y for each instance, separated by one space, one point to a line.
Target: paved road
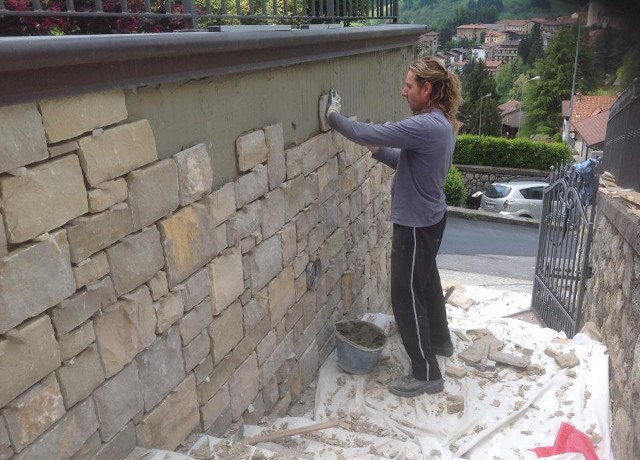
489 248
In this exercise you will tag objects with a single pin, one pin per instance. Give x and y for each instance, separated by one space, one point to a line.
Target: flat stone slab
474 353
509 359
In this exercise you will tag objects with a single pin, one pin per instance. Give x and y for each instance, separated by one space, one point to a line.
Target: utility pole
537 77
567 128
480 125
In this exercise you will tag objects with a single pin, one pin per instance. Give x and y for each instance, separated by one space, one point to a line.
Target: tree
543 100
506 79
477 82
530 48
630 67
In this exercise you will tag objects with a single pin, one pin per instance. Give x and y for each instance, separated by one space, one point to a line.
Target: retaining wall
170 267
612 301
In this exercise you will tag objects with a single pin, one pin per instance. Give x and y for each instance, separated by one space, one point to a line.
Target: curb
476 214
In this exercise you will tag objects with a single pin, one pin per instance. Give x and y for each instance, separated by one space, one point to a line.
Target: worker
420 149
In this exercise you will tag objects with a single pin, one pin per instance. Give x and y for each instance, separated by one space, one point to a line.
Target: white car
522 198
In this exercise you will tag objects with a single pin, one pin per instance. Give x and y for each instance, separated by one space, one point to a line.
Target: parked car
522 198
474 199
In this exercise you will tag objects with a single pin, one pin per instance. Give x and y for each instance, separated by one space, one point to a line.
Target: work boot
445 349
410 386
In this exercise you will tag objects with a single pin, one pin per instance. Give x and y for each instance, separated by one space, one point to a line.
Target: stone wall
140 302
612 301
478 177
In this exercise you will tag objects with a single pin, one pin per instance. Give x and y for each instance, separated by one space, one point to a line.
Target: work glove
334 104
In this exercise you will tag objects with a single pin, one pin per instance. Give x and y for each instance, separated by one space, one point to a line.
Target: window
497 191
532 193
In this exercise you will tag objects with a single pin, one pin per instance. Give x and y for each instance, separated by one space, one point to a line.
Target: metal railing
621 156
211 11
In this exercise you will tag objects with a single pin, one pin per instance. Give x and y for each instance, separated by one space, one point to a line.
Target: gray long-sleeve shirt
420 148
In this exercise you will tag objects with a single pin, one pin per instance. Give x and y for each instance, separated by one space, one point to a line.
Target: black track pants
416 295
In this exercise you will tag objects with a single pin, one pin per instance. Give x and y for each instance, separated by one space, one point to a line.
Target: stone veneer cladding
174 298
612 302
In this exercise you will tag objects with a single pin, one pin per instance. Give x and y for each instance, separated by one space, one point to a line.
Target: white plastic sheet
506 411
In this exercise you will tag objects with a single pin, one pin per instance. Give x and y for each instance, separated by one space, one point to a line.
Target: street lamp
567 128
537 77
480 125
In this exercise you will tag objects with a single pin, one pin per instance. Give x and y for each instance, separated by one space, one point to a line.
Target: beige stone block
251 186
225 273
196 288
317 151
332 246
288 240
216 380
118 401
66 437
90 270
273 209
348 183
82 305
196 350
294 197
281 294
188 239
62 149
125 329
171 422
327 180
90 234
29 415
107 194
69 117
160 368
276 163
27 354
77 340
169 309
158 285
135 259
89 448
216 407
246 222
226 331
3 239
251 150
204 369
244 386
222 203
34 278
266 262
195 321
120 446
22 139
117 151
250 341
153 192
80 376
195 175
46 197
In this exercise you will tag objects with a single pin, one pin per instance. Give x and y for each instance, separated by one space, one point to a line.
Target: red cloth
569 439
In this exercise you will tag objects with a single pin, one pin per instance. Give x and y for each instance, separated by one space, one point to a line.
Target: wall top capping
37 68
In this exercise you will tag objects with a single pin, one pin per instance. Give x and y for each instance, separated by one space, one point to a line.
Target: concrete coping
37 68
616 210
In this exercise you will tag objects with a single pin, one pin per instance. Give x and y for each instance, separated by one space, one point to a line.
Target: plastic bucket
360 345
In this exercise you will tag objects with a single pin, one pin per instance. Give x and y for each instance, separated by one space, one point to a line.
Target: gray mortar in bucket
360 345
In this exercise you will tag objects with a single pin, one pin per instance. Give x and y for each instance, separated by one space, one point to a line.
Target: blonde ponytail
447 90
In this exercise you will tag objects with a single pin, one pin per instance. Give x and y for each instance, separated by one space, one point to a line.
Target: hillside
434 12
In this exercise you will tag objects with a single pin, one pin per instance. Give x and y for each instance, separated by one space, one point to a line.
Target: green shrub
454 188
511 153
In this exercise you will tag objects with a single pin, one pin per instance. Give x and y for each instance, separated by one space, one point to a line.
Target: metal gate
566 225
